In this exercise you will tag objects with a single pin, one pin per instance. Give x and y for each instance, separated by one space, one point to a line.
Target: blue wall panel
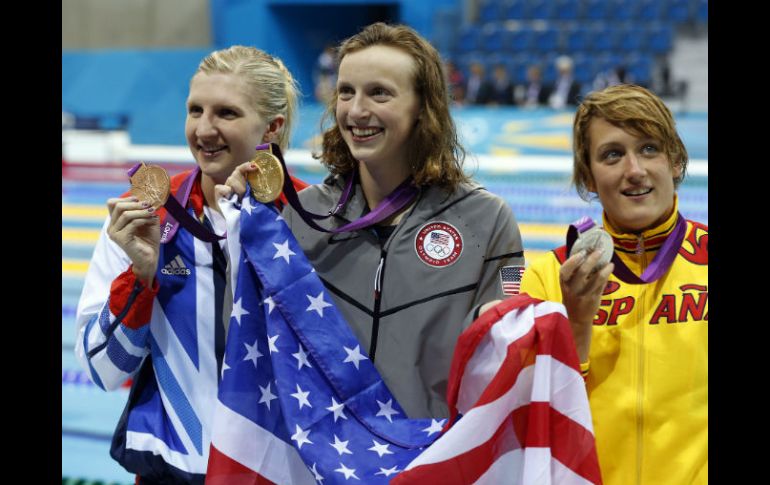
296 31
149 87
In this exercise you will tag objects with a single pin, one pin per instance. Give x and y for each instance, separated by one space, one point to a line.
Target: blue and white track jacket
174 333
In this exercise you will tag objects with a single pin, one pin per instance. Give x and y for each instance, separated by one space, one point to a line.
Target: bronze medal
151 184
266 183
592 240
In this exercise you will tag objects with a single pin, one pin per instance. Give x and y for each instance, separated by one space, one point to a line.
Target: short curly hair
435 152
634 109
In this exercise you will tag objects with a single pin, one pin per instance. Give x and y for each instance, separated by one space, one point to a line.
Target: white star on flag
252 353
348 472
341 446
300 437
283 251
279 218
337 409
435 426
224 368
301 357
246 205
271 343
267 395
380 449
387 472
318 304
238 311
301 397
317 475
270 303
354 355
386 409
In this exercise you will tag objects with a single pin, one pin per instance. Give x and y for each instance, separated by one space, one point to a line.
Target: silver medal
592 240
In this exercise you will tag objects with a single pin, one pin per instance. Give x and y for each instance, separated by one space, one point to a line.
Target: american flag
300 402
438 238
510 279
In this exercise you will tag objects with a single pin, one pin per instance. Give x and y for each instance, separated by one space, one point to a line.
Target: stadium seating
599 35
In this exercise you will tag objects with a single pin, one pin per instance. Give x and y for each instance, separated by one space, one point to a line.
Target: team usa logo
438 244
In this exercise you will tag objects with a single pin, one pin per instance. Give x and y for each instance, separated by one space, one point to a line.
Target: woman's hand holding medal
582 278
134 226
134 223
264 174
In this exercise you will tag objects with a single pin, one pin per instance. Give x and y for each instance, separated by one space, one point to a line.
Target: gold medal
267 182
151 184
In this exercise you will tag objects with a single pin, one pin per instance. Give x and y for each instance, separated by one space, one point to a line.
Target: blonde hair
273 89
634 109
436 156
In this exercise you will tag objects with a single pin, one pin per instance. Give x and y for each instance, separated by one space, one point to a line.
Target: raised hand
582 284
236 182
135 227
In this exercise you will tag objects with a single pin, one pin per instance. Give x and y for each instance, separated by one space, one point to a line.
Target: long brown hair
436 156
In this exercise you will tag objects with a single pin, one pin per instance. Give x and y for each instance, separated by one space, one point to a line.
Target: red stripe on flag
223 470
535 425
538 425
574 446
467 467
522 353
470 339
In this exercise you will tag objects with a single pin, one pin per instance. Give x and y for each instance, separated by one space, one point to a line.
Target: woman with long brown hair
417 246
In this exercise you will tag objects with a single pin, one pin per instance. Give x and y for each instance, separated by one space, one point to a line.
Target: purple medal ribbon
178 215
395 201
660 263
578 227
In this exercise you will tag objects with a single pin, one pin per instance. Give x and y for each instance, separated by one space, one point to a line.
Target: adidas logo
176 267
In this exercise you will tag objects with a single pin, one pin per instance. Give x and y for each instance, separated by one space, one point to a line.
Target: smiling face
222 127
632 176
377 105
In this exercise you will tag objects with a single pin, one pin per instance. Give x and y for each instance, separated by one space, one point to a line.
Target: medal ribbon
394 202
660 263
576 228
178 215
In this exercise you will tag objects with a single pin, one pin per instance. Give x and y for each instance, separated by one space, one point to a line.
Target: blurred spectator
456 81
325 75
478 89
612 77
534 93
566 89
667 87
502 88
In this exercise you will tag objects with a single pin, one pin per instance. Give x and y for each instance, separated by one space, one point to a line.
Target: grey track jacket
411 328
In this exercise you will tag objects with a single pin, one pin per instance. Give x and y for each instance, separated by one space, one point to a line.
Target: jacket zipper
640 389
378 275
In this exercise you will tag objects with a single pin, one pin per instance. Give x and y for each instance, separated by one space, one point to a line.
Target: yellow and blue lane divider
81 224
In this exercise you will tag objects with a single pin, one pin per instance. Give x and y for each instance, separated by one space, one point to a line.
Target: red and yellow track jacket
648 376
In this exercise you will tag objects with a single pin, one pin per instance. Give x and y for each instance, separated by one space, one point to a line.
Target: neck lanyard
660 263
394 202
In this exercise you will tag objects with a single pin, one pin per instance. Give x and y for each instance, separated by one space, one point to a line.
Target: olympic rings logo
437 250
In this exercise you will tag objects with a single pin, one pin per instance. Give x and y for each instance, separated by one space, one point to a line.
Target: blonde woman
155 312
